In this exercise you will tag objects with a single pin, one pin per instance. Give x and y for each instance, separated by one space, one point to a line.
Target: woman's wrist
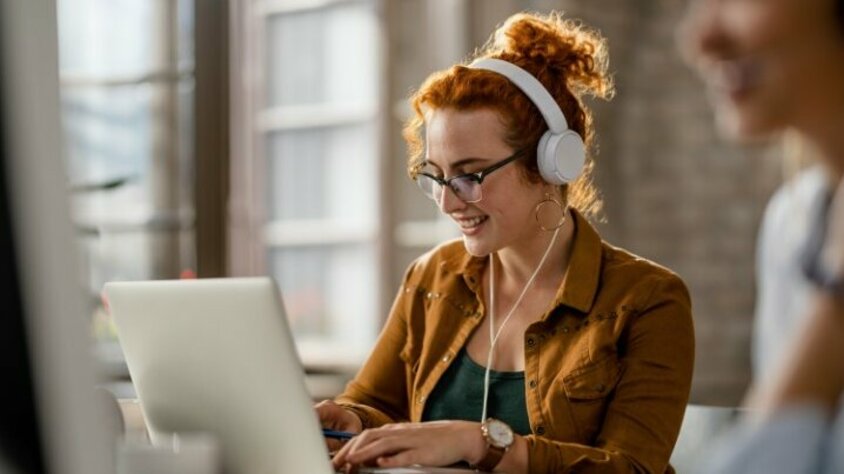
358 415
515 460
474 442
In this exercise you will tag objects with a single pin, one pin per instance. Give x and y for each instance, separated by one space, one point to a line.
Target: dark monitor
20 447
49 421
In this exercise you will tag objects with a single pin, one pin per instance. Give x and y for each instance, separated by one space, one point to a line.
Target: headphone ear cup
560 157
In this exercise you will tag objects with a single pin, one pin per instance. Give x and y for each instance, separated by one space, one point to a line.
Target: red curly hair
569 59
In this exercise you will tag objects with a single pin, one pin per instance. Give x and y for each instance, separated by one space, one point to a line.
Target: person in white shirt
782 290
772 66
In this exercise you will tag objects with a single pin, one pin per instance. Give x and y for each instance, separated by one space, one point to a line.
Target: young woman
773 65
531 345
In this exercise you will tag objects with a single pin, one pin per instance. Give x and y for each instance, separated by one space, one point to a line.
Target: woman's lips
470 225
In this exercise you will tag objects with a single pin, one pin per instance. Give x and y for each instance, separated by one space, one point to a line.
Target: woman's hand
435 443
335 417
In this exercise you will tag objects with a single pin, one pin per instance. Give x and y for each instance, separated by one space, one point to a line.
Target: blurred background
225 138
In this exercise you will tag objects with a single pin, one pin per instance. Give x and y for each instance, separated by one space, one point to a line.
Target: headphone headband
560 153
532 88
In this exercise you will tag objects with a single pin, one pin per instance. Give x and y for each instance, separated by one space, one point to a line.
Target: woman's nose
449 202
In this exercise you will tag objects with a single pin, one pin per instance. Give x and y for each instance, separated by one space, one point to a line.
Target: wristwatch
499 437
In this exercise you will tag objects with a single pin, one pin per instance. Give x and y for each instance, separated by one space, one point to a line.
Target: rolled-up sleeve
378 393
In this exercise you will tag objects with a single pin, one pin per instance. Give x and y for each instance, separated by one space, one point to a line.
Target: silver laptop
216 355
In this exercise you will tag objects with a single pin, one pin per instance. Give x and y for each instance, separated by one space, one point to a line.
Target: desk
320 386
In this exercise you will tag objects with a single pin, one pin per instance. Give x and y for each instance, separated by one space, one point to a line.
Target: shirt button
540 430
532 384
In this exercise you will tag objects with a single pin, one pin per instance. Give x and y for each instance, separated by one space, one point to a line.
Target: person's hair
568 58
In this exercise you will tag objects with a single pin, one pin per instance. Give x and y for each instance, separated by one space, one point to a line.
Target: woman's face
459 142
768 64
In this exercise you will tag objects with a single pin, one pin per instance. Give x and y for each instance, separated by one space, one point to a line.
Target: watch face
499 433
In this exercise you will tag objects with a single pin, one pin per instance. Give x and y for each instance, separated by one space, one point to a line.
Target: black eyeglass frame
477 176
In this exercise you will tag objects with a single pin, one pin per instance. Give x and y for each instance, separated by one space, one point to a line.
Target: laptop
217 355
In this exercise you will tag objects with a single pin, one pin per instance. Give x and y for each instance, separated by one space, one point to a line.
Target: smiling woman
530 345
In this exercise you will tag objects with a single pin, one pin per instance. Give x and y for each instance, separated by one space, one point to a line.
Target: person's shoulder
797 194
621 266
452 251
449 255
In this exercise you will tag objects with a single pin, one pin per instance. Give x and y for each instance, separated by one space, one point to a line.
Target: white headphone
561 154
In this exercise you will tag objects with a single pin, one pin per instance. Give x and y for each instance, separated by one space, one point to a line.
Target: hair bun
550 44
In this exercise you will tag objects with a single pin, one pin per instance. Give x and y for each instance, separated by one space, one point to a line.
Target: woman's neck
516 265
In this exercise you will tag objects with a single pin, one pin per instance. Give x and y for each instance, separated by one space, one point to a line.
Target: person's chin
744 124
475 247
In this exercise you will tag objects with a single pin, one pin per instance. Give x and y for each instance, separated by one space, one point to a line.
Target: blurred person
782 289
771 66
531 345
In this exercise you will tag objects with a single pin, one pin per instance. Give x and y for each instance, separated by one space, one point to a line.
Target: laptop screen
217 356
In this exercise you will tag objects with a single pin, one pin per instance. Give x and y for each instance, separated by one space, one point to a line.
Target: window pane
326 173
338 65
108 37
185 46
328 291
133 131
130 255
111 134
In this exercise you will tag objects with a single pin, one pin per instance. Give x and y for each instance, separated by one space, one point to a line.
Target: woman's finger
386 445
340 459
402 458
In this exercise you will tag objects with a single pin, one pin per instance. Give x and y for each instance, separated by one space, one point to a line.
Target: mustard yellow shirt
608 368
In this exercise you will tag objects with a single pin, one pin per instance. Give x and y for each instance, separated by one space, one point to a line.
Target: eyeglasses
467 186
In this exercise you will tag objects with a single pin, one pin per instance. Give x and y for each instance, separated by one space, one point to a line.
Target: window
127 90
313 189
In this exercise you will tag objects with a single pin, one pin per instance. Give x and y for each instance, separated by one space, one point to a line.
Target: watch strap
491 459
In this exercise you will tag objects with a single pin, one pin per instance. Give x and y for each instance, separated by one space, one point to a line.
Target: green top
459 395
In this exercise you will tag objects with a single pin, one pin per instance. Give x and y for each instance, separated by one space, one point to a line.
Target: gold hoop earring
559 208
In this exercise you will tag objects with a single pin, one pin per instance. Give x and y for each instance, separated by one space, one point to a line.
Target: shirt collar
580 284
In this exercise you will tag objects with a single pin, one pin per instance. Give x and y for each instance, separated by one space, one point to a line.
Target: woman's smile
470 225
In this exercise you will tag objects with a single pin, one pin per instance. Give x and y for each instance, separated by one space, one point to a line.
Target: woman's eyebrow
466 161
458 164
